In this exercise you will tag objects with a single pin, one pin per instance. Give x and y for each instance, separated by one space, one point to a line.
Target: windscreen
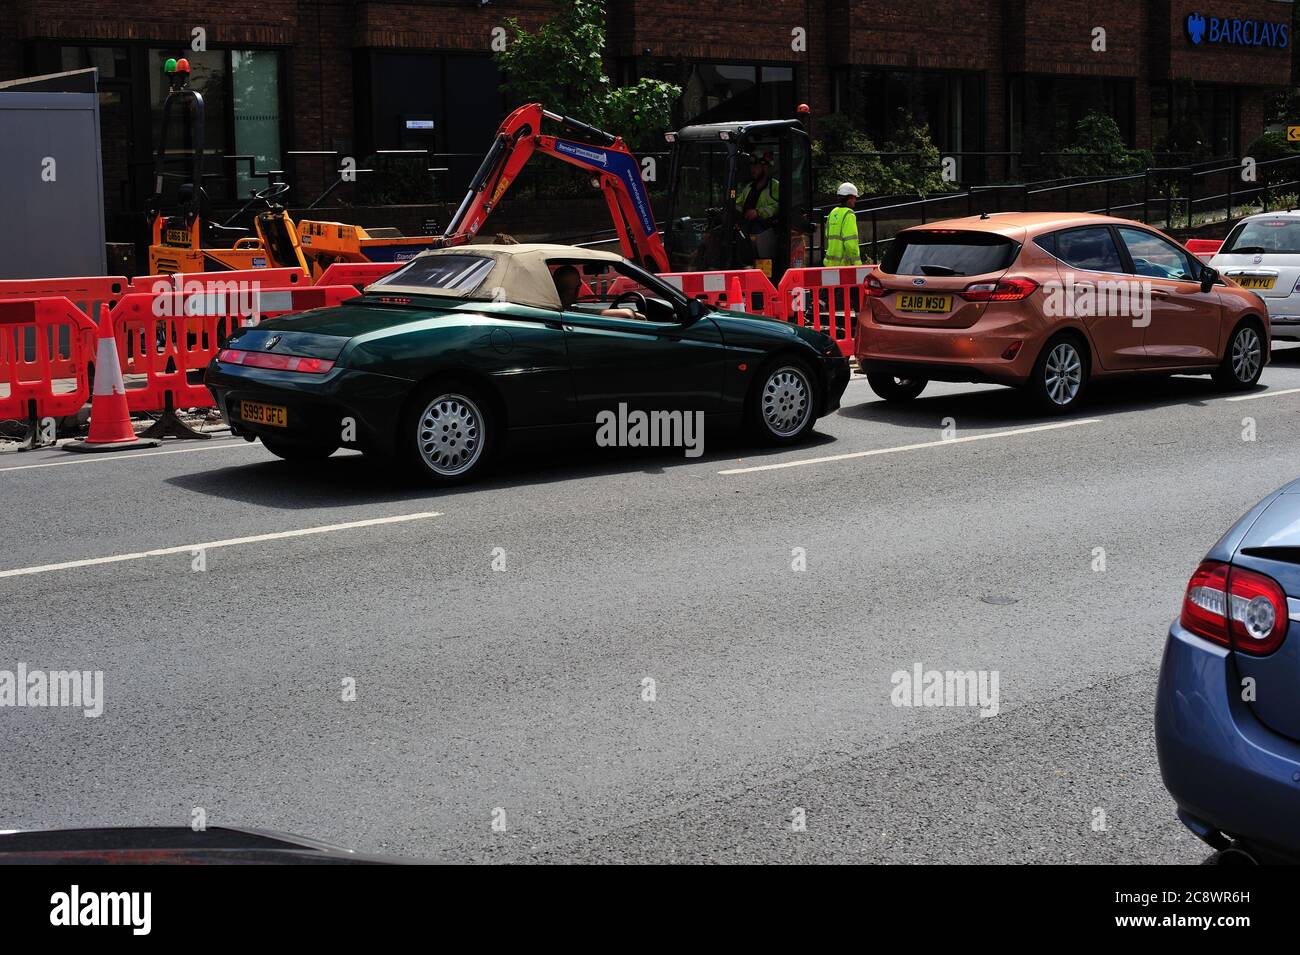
1280 236
444 274
949 252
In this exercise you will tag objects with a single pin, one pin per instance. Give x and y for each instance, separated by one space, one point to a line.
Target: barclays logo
1235 31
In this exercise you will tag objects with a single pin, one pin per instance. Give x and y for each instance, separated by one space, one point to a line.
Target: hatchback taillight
1003 290
873 287
1235 607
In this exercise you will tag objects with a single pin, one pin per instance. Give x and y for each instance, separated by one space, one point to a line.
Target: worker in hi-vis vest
842 230
842 249
758 204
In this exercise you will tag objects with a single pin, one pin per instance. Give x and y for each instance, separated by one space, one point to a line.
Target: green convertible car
445 360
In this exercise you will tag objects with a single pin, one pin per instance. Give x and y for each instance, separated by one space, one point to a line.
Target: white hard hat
846 189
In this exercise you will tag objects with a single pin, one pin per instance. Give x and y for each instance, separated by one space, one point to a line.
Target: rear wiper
939 270
1244 250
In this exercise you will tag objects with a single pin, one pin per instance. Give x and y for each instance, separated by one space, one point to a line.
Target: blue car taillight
1236 608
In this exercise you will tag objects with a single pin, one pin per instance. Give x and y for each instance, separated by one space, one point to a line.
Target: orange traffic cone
736 296
110 418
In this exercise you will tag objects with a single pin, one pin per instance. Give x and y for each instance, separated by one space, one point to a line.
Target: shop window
1046 109
111 61
950 104
241 105
256 92
1193 121
725 92
415 100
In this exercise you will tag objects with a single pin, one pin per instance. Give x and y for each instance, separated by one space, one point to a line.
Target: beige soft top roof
520 272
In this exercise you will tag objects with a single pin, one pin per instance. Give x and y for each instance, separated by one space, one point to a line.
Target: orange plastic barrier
745 290
165 342
827 299
1204 249
265 278
358 274
46 346
87 292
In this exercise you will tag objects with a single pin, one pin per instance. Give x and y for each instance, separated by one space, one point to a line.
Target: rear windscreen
454 274
949 253
1280 236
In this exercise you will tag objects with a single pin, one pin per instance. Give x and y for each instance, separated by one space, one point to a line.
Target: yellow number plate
914 302
177 237
258 413
1256 281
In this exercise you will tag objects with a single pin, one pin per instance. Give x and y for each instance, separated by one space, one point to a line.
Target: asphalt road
516 695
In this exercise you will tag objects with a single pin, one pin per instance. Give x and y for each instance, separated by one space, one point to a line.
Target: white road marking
187 548
129 456
911 447
1266 394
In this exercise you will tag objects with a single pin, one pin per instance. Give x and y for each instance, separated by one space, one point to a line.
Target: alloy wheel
1246 354
786 401
450 435
1063 373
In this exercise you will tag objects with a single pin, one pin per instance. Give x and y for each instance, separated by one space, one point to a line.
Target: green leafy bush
562 66
1098 149
844 153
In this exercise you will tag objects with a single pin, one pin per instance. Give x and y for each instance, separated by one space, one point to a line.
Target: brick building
352 76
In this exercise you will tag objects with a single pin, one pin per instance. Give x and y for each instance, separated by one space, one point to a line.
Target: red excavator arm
619 175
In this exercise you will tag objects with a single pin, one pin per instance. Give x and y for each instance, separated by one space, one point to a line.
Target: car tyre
893 388
1243 359
291 450
1060 375
782 406
448 434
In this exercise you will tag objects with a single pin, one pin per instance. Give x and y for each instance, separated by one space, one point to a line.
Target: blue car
1227 708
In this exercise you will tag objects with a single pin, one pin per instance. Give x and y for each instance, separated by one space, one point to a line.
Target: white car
1262 253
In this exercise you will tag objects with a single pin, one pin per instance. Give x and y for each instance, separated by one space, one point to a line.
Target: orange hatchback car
1048 302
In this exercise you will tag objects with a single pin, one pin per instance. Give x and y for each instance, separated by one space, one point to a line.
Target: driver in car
568 284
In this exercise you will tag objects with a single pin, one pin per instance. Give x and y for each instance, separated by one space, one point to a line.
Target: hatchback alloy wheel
1247 353
1063 373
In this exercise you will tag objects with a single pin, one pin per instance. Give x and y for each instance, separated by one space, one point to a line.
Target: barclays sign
1235 31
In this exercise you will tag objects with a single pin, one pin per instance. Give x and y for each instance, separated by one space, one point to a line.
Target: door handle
1160 293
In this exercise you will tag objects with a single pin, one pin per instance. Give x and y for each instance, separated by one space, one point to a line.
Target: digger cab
741 197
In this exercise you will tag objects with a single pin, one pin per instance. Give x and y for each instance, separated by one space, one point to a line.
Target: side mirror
695 310
1208 277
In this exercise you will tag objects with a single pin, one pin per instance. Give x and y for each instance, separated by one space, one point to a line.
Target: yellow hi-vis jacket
841 238
768 198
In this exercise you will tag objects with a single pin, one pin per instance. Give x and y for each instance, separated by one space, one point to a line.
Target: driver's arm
621 313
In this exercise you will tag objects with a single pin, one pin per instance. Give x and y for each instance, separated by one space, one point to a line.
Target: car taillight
1257 612
1236 608
1003 290
257 359
1206 601
873 287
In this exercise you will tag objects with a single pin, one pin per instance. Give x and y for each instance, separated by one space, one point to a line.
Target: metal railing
1172 197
